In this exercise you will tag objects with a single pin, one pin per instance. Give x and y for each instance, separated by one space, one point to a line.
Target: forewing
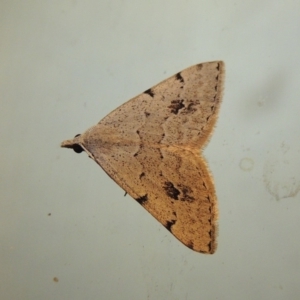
172 184
181 110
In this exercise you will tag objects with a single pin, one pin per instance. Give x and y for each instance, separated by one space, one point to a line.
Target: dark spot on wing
191 108
142 175
142 200
162 137
147 114
149 92
210 244
171 191
176 106
190 244
186 194
179 77
200 66
204 252
170 224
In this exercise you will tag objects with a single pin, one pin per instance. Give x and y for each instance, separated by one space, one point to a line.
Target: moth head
73 144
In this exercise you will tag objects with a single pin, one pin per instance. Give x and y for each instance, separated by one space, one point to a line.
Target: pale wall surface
64 66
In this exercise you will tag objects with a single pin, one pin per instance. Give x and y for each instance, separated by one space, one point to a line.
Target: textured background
64 66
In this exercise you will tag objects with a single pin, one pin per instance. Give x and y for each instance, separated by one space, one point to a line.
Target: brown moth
151 147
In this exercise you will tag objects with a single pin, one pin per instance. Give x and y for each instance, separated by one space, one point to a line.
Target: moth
151 147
